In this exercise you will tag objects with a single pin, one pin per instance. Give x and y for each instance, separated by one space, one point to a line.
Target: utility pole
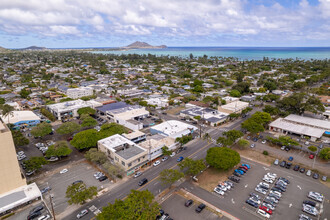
51 203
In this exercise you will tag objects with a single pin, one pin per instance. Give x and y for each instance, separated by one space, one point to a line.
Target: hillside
2 50
143 45
34 48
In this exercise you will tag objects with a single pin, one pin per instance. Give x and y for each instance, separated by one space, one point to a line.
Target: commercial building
209 116
302 126
21 119
123 152
233 107
173 128
77 93
69 109
124 114
158 102
230 99
248 98
13 189
136 136
155 143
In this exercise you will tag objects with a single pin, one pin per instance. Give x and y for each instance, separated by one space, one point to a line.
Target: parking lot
290 204
175 207
59 183
23 214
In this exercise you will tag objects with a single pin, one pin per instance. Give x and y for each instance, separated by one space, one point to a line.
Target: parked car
276 162
102 178
156 163
234 179
308 202
137 174
311 156
236 174
296 167
188 203
302 170
324 178
82 213
252 145
200 207
263 141
219 191
33 215
263 213
251 203
288 165
290 159
284 179
64 171
165 158
315 175
44 217
310 210
46 189
315 196
308 173
246 165
304 217
260 190
283 163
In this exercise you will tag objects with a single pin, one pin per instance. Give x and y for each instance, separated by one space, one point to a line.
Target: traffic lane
175 207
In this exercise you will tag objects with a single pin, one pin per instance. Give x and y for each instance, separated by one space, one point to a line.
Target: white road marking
290 205
299 187
156 183
266 168
290 177
246 185
92 208
232 200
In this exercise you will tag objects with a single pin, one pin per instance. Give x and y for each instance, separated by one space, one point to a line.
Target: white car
268 180
306 143
254 199
252 145
264 184
283 148
263 213
164 158
276 193
20 153
64 171
156 163
173 154
137 174
44 217
260 190
219 191
263 141
82 213
21 157
272 175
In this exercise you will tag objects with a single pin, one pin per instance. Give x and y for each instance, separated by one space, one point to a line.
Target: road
196 149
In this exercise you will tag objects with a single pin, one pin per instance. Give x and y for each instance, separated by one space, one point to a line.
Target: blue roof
112 106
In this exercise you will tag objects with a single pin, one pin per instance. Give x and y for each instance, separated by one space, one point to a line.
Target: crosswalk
95 210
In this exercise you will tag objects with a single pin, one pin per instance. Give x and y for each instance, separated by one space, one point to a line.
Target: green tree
224 141
242 87
2 101
242 143
192 167
222 158
143 103
88 122
19 139
85 139
235 93
312 148
271 110
79 193
96 156
233 135
35 163
138 205
6 111
109 129
24 93
257 122
287 141
325 153
166 151
233 115
41 130
48 114
86 110
68 128
270 85
184 139
170 176
197 117
59 149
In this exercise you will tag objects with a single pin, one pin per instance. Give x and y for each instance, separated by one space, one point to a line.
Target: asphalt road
196 149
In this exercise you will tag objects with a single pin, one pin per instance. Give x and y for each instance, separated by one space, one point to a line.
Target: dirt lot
256 156
211 177
175 111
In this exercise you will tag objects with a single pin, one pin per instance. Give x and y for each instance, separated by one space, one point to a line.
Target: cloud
168 18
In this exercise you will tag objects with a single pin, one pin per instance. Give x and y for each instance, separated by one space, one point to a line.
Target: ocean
242 53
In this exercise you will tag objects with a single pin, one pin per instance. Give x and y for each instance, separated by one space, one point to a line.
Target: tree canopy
166 151
192 167
257 122
19 139
170 176
78 193
325 153
59 149
96 156
86 110
35 163
85 139
68 128
41 129
222 158
138 205
88 122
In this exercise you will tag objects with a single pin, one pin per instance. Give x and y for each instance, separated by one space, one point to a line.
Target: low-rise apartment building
77 93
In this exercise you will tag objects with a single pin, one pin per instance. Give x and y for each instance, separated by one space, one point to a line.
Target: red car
266 209
244 167
311 156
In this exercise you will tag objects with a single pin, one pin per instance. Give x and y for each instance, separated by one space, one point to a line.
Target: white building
155 143
302 126
233 107
70 108
173 128
77 93
230 99
123 152
210 116
158 102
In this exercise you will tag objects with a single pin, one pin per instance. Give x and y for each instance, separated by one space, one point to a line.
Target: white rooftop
18 116
133 135
235 105
309 121
19 196
173 127
70 105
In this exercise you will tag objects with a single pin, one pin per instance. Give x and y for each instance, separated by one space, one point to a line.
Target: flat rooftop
208 114
133 135
309 121
18 116
121 146
69 106
172 127
235 105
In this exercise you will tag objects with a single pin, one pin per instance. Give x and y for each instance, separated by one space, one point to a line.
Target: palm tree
7 110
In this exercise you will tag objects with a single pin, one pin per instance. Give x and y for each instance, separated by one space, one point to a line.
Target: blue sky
111 23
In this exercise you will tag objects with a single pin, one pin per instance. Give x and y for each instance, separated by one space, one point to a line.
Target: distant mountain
143 45
34 48
2 50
